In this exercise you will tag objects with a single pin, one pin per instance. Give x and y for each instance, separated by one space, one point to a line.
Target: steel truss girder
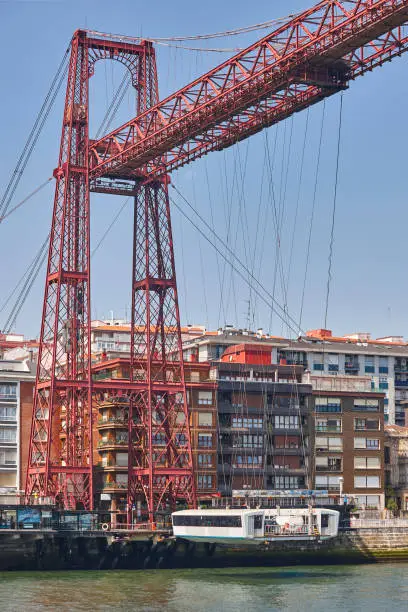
332 42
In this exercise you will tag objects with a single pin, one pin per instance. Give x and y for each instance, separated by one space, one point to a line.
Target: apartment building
265 422
396 464
17 379
114 335
383 360
111 440
349 443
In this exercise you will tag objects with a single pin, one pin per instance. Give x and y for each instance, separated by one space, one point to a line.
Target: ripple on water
359 588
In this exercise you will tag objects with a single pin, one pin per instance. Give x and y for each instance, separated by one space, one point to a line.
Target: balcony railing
329 428
329 468
106 443
113 421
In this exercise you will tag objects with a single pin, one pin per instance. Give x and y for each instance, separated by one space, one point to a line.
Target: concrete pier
49 550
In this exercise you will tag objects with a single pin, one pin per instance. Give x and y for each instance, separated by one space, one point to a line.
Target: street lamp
341 481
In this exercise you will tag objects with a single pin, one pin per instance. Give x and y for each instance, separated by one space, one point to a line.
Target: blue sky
368 290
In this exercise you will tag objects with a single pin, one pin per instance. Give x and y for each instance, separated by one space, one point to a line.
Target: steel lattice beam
305 60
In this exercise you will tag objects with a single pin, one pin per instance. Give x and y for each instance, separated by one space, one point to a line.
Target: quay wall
23 550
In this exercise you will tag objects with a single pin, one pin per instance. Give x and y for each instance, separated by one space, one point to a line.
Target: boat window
258 522
206 521
325 520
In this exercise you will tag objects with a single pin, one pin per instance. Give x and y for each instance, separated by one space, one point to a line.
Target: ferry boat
255 527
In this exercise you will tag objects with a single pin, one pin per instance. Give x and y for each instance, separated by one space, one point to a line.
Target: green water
346 588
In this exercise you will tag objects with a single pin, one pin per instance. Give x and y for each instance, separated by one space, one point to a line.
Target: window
205 419
369 364
121 459
205 398
206 521
367 463
181 439
366 424
8 391
332 444
205 460
249 461
383 382
329 425
204 440
246 423
368 501
367 443
8 458
204 481
248 441
328 464
333 362
122 437
8 413
122 479
287 482
159 439
366 482
8 434
366 405
286 422
318 364
195 376
327 482
383 367
327 404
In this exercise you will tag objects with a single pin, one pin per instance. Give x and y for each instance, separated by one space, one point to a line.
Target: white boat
261 526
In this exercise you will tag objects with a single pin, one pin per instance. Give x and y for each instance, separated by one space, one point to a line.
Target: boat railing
288 530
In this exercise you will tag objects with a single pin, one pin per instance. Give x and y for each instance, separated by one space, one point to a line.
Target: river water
327 588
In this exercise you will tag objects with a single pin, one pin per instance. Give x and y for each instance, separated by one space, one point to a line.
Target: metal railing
378 523
290 530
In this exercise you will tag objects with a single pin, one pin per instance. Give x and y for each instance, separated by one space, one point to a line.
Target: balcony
401 383
328 428
106 444
114 486
112 422
329 468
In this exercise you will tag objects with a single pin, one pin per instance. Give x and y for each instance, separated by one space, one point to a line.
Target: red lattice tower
61 447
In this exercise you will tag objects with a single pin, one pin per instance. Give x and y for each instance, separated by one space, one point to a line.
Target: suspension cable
246 270
336 182
312 213
34 135
30 195
113 106
31 276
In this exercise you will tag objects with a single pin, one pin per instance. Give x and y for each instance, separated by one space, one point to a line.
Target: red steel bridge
314 55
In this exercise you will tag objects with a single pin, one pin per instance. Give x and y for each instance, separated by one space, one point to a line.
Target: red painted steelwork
60 455
311 57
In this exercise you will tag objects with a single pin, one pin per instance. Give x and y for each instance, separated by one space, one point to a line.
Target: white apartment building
17 380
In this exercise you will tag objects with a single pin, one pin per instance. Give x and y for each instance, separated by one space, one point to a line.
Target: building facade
349 445
396 465
265 422
384 360
17 379
111 439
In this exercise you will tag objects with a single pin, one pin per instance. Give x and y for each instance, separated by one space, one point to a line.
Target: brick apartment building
111 434
349 444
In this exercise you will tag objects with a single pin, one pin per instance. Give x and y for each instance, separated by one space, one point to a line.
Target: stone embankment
22 550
